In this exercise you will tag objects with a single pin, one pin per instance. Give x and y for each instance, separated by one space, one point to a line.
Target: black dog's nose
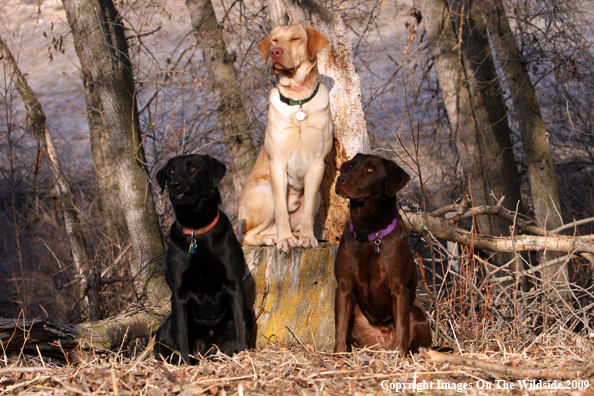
175 185
342 180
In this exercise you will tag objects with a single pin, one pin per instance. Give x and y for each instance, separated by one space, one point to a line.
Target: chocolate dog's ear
316 42
216 170
161 178
344 165
396 177
264 47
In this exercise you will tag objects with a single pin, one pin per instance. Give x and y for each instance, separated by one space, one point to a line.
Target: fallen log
448 230
55 339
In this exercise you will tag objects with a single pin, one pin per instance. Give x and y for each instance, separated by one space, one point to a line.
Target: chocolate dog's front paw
308 242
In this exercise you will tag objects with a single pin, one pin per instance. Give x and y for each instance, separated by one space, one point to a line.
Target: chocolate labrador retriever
374 268
280 197
204 266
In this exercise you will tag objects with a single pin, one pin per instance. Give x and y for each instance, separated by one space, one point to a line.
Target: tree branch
518 372
448 230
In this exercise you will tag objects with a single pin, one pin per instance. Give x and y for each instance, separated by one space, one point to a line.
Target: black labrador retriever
204 266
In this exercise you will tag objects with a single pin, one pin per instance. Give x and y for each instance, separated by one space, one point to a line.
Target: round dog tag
300 115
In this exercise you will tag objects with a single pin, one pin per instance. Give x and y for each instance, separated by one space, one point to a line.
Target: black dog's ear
161 178
216 170
396 177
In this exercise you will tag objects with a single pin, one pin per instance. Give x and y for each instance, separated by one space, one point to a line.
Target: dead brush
279 368
484 310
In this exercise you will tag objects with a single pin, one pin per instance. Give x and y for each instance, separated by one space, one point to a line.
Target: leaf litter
293 369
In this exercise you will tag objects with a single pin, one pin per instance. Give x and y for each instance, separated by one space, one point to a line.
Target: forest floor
280 369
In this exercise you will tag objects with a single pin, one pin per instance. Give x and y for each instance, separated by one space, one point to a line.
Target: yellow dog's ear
264 47
316 41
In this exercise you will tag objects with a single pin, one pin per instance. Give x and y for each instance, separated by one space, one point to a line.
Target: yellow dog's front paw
286 244
307 242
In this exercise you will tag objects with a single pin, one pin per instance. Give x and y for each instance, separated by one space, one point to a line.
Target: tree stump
293 294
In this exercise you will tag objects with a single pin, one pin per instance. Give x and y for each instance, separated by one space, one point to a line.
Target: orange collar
193 232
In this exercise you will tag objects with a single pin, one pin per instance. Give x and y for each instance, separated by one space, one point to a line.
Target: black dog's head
368 176
191 178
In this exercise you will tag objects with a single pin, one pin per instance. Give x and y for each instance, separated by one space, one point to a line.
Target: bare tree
103 157
489 110
443 45
76 237
544 189
105 51
233 119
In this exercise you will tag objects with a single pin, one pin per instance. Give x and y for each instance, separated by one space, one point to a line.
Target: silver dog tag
300 114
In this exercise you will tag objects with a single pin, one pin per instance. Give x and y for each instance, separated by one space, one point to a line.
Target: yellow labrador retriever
280 197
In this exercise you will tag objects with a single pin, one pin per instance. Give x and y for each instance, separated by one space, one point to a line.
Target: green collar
292 102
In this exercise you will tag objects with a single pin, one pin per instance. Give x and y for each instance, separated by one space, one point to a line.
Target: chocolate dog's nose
175 185
342 180
276 52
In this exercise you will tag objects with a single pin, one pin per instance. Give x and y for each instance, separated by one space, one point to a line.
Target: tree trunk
105 52
544 189
233 119
444 47
76 238
490 111
103 158
473 98
350 128
292 294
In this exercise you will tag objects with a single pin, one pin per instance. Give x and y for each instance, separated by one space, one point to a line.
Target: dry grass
285 369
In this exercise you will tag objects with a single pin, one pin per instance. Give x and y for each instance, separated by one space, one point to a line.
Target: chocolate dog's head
191 178
367 176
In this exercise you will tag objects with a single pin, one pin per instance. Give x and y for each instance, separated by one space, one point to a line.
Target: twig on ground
518 372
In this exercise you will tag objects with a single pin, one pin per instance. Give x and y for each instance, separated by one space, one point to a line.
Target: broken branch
518 372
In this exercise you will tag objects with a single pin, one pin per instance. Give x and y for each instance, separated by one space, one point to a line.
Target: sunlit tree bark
544 189
233 119
105 52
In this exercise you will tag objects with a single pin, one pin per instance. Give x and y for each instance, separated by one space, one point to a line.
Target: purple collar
372 236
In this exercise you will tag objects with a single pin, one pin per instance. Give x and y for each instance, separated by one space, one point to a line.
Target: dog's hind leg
262 235
365 334
256 225
420 330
